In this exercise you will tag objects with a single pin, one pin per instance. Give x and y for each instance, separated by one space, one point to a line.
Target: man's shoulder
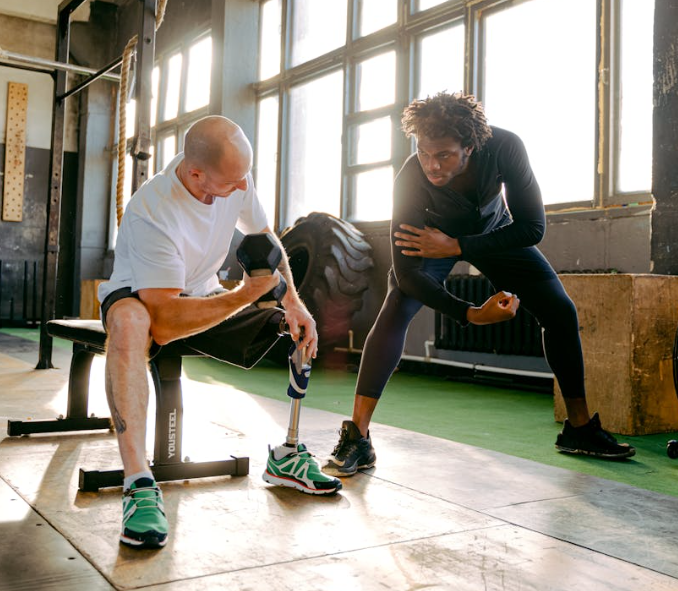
153 192
410 171
501 136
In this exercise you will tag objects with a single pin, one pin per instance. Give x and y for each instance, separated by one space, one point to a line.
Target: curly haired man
469 194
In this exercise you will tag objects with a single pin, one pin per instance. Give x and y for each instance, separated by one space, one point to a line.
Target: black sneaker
592 440
353 452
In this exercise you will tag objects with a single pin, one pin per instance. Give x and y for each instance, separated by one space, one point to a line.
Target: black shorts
115 296
242 339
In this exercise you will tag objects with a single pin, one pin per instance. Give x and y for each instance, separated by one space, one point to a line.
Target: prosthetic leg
300 372
290 464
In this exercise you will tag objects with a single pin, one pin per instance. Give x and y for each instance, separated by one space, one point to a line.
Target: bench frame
89 339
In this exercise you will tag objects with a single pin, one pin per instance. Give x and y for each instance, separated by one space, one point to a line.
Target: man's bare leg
128 324
144 524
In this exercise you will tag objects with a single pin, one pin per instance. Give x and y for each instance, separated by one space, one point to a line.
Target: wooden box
628 324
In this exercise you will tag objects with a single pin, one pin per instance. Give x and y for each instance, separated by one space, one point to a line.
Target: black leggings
522 271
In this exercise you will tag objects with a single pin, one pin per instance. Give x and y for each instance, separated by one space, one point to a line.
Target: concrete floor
433 514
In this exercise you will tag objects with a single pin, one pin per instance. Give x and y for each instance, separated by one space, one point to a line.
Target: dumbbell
260 255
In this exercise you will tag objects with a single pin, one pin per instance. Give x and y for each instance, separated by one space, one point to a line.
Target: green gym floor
514 422
468 493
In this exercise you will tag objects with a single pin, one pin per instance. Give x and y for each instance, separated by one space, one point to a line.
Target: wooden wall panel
15 152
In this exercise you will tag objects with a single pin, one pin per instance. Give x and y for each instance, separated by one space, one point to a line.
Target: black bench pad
87 332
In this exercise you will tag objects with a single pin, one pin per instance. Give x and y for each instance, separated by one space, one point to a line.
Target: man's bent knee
128 324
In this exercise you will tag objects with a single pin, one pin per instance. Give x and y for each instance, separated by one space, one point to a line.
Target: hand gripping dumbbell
260 255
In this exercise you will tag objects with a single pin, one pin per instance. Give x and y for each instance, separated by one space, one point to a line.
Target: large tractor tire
330 262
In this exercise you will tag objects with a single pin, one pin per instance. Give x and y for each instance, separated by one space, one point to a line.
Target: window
441 61
426 4
370 170
180 96
167 149
317 27
556 118
198 75
267 155
373 192
372 141
374 15
335 76
315 147
172 77
269 39
376 81
634 169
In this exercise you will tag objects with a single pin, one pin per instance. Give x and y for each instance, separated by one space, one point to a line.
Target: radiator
520 336
19 293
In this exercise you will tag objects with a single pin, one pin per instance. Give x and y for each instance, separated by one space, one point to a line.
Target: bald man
173 239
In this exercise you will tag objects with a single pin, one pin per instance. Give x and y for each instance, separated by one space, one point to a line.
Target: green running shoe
297 468
144 524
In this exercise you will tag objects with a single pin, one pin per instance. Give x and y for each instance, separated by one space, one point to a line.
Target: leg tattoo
118 421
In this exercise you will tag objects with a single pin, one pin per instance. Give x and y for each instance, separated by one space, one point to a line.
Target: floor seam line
327 555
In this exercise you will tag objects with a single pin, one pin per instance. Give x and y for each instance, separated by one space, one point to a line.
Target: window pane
377 14
376 81
168 149
267 155
556 116
441 62
155 79
199 74
269 40
173 74
182 137
130 118
315 147
634 171
126 194
373 141
425 4
318 27
127 183
151 163
374 194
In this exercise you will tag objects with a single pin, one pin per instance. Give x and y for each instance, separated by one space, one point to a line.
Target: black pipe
87 81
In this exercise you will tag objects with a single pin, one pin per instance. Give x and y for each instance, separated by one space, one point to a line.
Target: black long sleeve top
481 217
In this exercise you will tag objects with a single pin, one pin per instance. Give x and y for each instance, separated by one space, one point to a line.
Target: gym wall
25 240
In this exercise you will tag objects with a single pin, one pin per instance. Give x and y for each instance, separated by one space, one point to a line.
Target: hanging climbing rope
126 66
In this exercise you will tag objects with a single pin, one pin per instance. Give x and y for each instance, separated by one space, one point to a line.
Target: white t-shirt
169 239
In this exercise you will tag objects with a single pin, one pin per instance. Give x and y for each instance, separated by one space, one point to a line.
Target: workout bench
89 339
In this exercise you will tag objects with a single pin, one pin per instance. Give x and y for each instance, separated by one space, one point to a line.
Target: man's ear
196 174
468 150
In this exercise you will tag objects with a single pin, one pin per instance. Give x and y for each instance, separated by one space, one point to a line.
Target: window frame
176 126
404 35
179 124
